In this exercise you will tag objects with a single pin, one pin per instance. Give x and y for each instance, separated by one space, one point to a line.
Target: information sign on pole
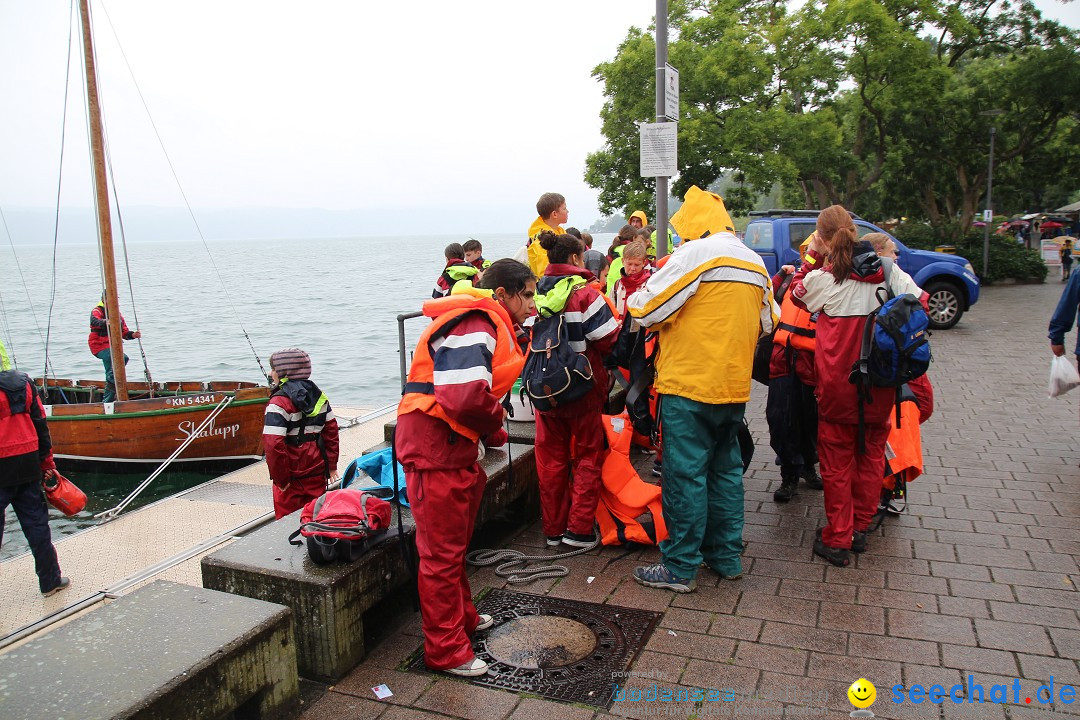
659 149
671 92
988 215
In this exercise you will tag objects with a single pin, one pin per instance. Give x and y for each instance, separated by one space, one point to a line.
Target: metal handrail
401 343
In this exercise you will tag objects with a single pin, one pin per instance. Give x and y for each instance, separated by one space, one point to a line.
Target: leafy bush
1008 259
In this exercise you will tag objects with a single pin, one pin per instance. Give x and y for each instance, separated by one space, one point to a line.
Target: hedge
1008 259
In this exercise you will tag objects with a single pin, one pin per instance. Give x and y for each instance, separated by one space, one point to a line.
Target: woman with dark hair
568 511
845 291
465 362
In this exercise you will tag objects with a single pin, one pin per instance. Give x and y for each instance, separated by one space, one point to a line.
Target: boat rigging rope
183 195
26 289
123 236
7 331
110 514
59 187
127 262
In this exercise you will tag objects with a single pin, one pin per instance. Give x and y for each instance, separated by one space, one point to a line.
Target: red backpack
338 524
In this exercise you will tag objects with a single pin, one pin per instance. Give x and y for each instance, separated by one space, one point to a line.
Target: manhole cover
540 641
558 649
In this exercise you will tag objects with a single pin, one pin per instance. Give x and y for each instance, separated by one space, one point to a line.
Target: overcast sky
470 108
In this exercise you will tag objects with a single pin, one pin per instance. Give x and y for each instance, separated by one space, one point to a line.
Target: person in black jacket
25 457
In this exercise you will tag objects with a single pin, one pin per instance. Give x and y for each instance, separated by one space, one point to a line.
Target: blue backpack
554 374
895 346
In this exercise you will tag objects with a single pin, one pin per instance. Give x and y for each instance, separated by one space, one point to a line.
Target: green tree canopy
879 106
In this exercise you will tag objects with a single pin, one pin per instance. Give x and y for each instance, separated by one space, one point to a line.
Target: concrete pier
974 587
166 651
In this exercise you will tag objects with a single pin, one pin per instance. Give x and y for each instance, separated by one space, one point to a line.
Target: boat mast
101 199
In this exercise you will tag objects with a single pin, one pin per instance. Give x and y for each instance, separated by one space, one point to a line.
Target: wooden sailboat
148 422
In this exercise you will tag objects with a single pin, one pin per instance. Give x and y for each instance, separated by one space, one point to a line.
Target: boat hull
149 430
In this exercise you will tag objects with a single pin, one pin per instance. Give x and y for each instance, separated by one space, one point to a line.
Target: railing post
402 365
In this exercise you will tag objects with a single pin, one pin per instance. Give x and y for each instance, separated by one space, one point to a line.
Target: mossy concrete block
328 601
506 485
166 651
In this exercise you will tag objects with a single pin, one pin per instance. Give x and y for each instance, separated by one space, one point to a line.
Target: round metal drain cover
541 641
556 648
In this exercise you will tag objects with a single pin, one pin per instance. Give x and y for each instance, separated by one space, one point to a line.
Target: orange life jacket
624 496
905 442
797 326
506 361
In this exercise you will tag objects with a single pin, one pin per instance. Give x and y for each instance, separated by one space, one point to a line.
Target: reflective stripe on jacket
710 303
300 433
440 359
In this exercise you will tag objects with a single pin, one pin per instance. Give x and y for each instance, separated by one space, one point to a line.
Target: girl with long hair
845 290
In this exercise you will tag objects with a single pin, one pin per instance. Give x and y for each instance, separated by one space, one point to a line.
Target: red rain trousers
444 505
852 480
565 505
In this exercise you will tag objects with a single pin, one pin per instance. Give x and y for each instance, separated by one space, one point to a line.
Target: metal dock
164 540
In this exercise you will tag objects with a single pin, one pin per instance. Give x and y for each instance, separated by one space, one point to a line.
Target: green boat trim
149 413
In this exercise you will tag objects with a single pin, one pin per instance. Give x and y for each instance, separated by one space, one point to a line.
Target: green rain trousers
703 486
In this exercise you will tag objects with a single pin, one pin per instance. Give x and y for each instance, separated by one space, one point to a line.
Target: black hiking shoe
786 491
858 542
837 556
578 540
812 479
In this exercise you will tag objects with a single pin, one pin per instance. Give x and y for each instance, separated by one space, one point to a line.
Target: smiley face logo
862 693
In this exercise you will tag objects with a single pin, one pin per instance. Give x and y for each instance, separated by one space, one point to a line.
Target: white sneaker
486 621
474 668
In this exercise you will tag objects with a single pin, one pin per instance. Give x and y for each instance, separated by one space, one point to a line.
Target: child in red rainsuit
464 363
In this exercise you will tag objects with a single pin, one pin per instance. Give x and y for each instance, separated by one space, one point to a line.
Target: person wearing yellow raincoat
551 213
710 303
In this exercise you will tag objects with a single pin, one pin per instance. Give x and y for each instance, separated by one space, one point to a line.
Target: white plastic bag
522 255
1063 376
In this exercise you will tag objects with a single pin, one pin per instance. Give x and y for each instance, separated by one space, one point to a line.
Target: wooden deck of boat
164 540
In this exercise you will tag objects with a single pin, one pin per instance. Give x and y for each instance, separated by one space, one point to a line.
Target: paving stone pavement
977 580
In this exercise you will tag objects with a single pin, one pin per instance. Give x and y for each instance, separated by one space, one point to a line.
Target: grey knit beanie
292 363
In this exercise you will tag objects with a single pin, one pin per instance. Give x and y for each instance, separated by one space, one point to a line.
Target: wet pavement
972 592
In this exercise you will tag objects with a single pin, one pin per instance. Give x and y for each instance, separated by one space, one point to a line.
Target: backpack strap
784 285
860 375
886 267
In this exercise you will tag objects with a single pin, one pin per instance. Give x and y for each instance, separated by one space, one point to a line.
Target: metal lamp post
988 216
661 182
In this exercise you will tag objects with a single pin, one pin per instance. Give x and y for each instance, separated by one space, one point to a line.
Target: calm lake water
337 298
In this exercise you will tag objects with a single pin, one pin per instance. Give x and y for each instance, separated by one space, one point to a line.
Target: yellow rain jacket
710 303
640 215
538 257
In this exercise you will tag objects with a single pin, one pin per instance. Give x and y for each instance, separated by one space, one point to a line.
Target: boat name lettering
188 428
191 400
